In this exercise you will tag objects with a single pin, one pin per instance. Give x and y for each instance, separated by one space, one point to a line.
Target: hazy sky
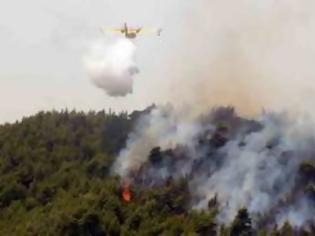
251 54
42 44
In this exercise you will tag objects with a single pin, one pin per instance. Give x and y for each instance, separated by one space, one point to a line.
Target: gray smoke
255 164
162 127
248 54
111 66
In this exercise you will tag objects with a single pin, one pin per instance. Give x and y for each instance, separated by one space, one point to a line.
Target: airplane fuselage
130 35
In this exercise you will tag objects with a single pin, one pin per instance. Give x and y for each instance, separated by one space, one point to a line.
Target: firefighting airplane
132 33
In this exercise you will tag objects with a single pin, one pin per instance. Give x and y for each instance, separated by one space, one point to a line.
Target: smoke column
248 54
111 66
251 55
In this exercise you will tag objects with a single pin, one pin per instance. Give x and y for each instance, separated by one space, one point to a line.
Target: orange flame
126 194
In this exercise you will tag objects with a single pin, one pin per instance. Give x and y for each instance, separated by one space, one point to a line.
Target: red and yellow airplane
132 33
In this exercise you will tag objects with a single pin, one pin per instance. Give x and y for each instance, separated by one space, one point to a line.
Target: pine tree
242 225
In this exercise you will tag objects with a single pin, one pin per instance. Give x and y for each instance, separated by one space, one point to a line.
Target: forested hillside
55 179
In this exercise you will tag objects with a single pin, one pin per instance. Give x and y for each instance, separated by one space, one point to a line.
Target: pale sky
42 44
251 54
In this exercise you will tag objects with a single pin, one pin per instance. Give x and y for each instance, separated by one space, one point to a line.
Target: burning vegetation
126 193
218 174
229 163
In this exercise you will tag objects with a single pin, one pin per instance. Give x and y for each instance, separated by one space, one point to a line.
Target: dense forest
56 179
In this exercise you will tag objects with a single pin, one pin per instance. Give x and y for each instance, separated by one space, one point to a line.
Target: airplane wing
144 31
113 31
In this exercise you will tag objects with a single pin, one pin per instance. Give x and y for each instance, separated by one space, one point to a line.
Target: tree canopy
56 180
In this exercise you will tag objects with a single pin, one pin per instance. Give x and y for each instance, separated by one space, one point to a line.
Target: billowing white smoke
111 66
261 172
257 168
164 128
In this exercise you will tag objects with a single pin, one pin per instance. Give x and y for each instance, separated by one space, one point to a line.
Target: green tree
242 225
